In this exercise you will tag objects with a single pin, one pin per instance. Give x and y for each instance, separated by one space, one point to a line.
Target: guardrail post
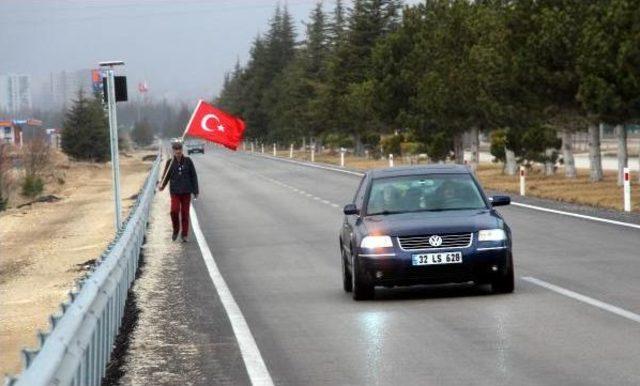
627 190
291 151
522 181
390 160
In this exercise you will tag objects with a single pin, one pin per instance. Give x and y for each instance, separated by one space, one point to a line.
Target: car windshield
432 192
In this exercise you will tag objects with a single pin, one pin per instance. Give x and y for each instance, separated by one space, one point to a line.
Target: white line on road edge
257 370
533 207
311 165
585 299
577 215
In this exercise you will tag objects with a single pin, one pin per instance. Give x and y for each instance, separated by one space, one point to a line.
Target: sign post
627 190
522 181
113 135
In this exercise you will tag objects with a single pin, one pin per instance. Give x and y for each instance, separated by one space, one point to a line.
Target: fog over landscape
181 49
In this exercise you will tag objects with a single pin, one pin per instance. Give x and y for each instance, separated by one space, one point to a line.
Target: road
272 228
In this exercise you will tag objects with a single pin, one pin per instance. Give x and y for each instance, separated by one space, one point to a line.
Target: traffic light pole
113 134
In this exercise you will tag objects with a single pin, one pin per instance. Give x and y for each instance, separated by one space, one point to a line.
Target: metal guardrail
78 346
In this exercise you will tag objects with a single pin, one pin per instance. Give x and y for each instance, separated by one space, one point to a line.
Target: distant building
61 88
10 133
54 137
15 93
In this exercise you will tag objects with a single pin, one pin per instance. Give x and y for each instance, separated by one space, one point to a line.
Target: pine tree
85 134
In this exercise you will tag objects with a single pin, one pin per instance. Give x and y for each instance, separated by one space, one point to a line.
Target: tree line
528 73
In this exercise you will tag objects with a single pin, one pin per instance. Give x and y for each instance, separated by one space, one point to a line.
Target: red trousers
180 208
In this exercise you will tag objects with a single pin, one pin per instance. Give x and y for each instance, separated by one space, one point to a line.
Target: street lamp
110 95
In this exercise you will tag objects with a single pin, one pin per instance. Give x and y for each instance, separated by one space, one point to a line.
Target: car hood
424 223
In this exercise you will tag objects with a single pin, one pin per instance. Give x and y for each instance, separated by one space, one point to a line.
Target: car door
350 222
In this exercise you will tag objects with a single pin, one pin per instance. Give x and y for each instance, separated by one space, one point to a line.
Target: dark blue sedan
424 225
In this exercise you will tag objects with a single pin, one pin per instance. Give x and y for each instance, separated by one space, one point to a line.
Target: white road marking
335 205
309 164
533 207
256 368
585 299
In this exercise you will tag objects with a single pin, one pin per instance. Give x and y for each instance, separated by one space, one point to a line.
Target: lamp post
113 135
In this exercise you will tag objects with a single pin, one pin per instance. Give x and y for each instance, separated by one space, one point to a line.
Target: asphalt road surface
272 228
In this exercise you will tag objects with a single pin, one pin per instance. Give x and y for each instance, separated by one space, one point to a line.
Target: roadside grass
579 190
45 246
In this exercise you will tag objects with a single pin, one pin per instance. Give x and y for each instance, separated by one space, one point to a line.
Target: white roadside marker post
252 149
342 151
313 154
291 151
275 153
627 190
390 160
522 181
262 148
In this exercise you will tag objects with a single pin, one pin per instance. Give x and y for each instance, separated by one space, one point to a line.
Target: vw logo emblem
435 241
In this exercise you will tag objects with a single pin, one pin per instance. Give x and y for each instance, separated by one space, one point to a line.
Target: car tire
362 287
347 280
504 284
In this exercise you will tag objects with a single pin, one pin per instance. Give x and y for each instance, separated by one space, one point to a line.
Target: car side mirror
500 200
350 209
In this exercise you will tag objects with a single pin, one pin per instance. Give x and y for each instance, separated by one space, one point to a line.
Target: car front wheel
504 284
347 284
362 287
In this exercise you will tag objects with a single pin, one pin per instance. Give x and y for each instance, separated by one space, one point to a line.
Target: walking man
181 174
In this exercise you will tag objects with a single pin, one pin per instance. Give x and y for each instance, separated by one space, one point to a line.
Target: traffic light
120 83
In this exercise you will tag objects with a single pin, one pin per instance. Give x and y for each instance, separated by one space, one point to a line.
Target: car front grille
414 243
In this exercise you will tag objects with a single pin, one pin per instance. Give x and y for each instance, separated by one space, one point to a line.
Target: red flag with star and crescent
212 124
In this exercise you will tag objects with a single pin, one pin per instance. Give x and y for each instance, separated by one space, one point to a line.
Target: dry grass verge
46 246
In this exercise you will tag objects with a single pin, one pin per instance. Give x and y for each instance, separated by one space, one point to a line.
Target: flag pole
166 171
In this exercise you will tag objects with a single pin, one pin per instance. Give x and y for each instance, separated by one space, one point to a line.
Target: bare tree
567 153
595 158
623 157
5 167
36 157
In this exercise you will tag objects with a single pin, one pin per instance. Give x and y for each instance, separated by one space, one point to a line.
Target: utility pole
113 135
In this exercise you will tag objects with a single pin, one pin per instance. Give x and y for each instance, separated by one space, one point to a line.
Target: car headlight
492 235
372 242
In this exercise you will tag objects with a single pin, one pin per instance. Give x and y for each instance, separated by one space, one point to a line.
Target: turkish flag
212 124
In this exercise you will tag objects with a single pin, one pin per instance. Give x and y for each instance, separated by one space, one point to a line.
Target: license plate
437 258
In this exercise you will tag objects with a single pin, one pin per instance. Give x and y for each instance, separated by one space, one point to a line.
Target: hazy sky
182 48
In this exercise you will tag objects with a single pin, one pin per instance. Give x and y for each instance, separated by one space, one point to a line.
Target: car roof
418 170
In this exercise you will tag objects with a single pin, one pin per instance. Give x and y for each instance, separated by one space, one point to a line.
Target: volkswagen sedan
424 225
